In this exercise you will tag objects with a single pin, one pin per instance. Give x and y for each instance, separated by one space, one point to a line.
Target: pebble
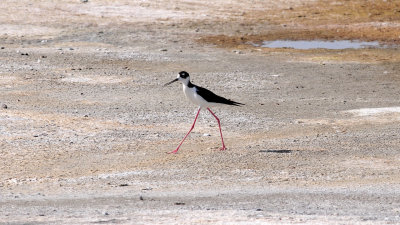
206 135
4 106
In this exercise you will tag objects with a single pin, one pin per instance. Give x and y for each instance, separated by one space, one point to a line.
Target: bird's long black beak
171 82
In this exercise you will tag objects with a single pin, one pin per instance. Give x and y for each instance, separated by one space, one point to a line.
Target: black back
211 97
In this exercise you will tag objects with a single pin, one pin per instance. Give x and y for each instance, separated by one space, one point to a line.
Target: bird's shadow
281 151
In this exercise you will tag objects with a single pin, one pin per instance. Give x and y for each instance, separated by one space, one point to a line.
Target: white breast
192 95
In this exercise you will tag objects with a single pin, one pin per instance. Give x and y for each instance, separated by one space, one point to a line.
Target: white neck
185 82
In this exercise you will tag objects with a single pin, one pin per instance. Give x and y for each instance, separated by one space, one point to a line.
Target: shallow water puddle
343 44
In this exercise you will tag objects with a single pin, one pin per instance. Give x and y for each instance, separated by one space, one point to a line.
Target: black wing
211 97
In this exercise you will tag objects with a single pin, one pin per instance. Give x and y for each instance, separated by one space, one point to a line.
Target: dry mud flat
85 123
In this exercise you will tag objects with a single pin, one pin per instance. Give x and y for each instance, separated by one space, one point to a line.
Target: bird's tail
235 103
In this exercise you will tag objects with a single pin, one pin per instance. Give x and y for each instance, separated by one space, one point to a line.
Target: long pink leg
219 124
198 112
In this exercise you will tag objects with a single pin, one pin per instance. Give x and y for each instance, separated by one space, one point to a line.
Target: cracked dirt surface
85 122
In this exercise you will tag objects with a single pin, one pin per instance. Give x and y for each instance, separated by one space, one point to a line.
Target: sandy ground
85 122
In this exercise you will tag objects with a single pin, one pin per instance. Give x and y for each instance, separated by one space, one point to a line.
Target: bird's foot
173 152
223 148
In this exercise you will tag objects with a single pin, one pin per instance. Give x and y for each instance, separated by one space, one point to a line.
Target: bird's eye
183 75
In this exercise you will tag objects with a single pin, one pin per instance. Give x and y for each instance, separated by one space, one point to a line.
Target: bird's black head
183 77
183 74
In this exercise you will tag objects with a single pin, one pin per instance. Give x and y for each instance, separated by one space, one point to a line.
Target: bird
203 98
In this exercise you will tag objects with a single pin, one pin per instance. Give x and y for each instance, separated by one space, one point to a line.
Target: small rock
163 50
206 135
2 47
84 1
4 106
141 198
123 185
179 203
106 213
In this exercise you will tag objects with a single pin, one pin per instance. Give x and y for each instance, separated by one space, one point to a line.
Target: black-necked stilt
203 98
